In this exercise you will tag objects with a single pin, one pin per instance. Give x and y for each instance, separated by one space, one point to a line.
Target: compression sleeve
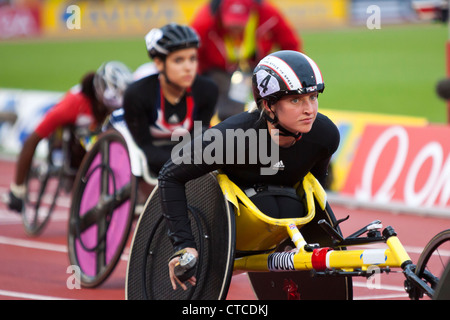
174 206
171 182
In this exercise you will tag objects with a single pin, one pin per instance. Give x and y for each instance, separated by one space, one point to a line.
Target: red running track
36 268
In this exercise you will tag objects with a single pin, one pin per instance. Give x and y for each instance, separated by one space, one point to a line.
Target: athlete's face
181 67
297 113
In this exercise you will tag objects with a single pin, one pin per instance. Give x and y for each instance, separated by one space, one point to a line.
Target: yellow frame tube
397 250
341 260
310 185
393 256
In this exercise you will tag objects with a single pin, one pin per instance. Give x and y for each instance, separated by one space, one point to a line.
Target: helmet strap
168 81
165 75
275 122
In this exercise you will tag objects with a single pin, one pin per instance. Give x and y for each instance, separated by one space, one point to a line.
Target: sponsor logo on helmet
311 89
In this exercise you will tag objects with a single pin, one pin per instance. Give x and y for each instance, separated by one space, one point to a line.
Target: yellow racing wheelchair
301 258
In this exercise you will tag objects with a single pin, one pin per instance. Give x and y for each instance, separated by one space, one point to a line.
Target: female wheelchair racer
285 85
217 230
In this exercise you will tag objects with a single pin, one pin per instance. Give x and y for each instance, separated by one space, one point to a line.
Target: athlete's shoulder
143 84
141 91
324 122
325 131
75 97
204 83
243 120
205 91
267 10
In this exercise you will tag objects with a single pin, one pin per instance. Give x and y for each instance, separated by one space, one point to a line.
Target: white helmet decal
267 83
152 38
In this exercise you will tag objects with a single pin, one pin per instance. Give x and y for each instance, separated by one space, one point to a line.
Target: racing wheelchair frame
233 235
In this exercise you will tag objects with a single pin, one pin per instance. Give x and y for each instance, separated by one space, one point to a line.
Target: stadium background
381 76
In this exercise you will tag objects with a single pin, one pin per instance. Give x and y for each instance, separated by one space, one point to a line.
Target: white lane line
382 287
33 244
381 296
8 218
31 296
45 246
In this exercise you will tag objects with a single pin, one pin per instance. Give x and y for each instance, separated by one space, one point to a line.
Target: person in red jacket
85 105
235 35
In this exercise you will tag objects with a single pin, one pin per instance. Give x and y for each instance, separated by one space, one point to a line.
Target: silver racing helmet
110 82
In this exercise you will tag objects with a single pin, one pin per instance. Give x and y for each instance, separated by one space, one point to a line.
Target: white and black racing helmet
110 82
171 37
285 72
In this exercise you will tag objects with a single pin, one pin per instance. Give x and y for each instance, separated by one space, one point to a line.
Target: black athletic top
151 119
311 153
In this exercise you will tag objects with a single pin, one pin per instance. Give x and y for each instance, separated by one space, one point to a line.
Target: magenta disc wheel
102 209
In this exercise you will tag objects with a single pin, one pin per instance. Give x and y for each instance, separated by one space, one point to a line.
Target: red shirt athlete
86 106
75 108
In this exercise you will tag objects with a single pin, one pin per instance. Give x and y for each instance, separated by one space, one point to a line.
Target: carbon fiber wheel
212 222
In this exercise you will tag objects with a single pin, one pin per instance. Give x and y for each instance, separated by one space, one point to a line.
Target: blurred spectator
436 10
235 35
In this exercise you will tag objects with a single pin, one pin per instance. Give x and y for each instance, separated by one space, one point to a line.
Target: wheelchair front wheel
433 262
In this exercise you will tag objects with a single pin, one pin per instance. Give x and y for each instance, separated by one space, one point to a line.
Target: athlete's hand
173 279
